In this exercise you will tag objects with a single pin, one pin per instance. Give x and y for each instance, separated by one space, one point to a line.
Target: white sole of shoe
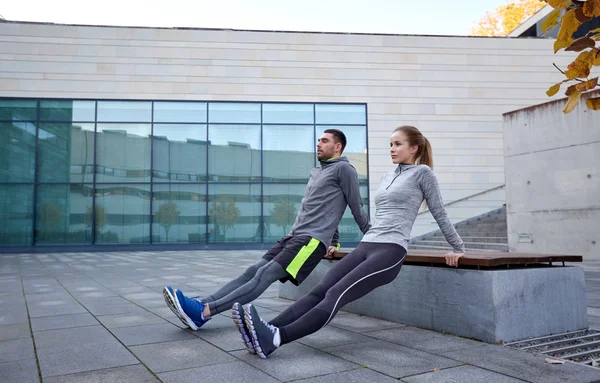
174 305
241 326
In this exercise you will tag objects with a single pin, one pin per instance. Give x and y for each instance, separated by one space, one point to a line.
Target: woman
377 259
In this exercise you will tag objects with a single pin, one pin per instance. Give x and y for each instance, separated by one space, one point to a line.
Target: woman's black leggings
367 267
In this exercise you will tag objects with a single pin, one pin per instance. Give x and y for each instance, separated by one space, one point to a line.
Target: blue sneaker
169 295
190 311
237 314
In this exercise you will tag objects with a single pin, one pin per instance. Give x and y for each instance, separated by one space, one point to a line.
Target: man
331 187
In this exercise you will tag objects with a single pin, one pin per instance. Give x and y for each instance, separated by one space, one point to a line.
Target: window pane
122 214
340 114
179 112
64 214
68 111
179 213
179 153
289 152
234 153
18 110
281 204
66 152
348 229
288 113
234 213
17 151
124 111
234 112
123 153
16 214
356 146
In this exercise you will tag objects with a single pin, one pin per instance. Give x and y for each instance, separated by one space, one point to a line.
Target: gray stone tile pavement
100 317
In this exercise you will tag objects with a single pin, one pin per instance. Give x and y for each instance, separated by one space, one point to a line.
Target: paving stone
170 356
123 320
391 359
55 307
13 313
359 375
425 340
295 361
166 332
332 336
19 371
65 338
63 321
360 323
522 365
461 374
81 357
128 374
220 373
16 349
15 331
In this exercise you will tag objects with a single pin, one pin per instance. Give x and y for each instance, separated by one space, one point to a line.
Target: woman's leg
316 295
236 283
381 266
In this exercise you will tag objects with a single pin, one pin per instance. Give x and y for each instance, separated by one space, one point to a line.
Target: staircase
486 232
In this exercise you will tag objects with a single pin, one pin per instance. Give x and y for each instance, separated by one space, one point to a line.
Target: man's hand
330 251
452 258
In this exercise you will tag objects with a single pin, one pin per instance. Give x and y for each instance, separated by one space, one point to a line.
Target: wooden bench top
479 258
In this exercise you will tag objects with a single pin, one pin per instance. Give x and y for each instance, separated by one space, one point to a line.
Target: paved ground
100 317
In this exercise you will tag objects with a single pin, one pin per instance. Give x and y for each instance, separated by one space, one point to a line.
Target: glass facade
85 172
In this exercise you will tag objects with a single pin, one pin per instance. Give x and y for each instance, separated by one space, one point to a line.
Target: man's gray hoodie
330 188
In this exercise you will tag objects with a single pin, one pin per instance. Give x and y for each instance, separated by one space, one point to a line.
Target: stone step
447 248
468 245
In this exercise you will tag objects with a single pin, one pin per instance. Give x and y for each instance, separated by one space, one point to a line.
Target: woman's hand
452 258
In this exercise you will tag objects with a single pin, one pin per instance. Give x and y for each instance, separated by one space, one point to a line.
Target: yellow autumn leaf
593 103
585 86
551 21
568 26
595 57
572 102
553 89
591 8
559 4
578 69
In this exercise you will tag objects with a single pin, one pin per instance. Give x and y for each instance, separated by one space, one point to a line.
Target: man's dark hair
338 136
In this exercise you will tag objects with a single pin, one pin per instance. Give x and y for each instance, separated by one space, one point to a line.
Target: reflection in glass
288 113
179 112
179 213
348 229
122 214
17 151
179 153
234 213
16 214
63 214
124 111
234 113
340 114
234 153
18 110
356 146
288 152
123 153
67 111
66 152
281 203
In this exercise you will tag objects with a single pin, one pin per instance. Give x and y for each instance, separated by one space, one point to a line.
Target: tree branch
561 71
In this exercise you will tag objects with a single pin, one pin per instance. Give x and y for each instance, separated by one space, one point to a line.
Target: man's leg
236 283
264 277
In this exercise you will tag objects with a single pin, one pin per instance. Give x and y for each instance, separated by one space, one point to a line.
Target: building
159 137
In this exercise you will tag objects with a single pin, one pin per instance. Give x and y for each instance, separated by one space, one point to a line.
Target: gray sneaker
237 314
262 332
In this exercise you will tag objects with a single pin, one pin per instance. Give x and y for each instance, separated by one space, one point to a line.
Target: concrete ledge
489 305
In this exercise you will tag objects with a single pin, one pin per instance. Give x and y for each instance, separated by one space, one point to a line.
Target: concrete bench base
489 305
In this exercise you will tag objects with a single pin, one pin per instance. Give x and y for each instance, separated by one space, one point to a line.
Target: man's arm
348 179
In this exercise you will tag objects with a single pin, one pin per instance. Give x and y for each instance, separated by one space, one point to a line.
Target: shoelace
269 325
